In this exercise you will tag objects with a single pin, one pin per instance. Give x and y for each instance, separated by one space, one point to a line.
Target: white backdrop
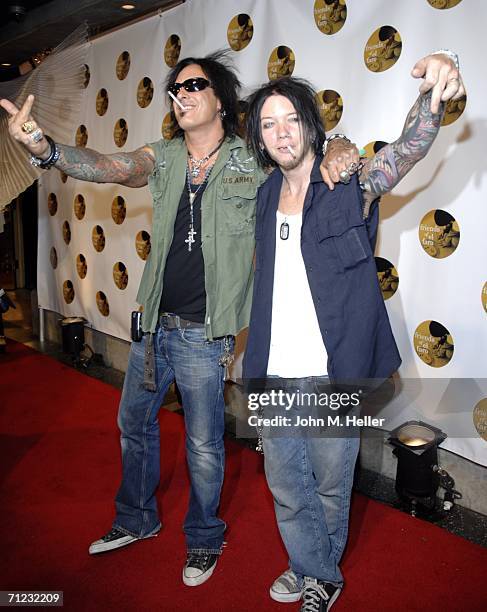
444 288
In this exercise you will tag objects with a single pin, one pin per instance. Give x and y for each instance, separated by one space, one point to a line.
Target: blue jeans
311 481
186 356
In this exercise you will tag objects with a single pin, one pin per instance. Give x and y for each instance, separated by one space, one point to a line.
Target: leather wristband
330 138
45 164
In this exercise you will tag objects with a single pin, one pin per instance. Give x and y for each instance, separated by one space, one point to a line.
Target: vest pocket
350 242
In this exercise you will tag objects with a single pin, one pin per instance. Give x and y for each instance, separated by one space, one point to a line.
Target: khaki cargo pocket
238 208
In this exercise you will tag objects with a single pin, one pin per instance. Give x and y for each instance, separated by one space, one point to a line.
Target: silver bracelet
451 54
329 139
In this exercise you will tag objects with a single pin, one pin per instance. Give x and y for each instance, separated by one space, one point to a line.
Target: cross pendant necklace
190 239
192 196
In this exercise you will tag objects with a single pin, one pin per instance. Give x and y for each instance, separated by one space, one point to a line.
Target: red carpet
59 471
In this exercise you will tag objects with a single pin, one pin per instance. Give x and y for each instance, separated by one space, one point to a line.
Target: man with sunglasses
195 290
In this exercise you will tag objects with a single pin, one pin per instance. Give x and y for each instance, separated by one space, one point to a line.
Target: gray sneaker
116 539
285 588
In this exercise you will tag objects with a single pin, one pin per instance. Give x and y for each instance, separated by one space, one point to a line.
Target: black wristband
45 164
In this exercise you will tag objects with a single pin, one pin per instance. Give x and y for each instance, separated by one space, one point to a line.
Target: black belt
173 321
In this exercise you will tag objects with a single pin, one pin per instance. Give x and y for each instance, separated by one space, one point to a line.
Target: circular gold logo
98 238
120 275
66 232
172 50
454 108
240 31
168 127
120 132
87 76
433 344
281 63
373 147
439 234
119 211
382 49
102 102
443 4
53 258
64 176
330 105
330 15
81 136
387 276
142 244
68 291
480 418
81 265
102 303
145 92
52 204
123 65
79 206
484 297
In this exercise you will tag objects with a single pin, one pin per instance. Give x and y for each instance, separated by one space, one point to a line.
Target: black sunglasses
196 84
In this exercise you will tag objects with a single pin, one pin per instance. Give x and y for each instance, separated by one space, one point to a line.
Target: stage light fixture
418 475
73 338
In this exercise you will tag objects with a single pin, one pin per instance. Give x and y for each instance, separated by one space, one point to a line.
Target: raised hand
441 76
24 129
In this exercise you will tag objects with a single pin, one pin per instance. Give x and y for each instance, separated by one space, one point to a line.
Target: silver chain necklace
197 163
192 196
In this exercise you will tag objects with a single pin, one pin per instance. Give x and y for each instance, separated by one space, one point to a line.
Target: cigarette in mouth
177 101
290 149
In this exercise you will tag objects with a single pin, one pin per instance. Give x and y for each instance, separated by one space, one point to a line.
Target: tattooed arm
384 171
441 81
130 169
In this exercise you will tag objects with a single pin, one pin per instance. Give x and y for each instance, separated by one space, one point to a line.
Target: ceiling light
128 7
5 64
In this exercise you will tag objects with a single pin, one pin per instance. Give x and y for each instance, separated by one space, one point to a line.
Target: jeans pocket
195 336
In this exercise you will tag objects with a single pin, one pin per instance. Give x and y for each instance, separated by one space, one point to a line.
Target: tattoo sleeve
130 169
384 171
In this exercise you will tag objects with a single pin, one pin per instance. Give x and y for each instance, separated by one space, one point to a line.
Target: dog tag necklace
284 230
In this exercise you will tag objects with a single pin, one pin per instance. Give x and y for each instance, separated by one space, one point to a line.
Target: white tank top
297 349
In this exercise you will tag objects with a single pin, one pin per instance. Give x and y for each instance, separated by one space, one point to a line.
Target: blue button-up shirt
337 245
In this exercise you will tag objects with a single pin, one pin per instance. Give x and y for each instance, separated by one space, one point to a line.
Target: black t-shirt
184 290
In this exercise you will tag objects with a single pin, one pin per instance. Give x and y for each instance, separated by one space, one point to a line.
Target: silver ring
352 168
344 177
36 135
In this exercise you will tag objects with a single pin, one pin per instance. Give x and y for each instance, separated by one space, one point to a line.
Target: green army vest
227 228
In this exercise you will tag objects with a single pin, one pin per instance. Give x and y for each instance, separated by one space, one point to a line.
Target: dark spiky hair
218 68
302 96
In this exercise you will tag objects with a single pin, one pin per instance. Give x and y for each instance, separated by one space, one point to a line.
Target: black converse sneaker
318 596
199 567
116 539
